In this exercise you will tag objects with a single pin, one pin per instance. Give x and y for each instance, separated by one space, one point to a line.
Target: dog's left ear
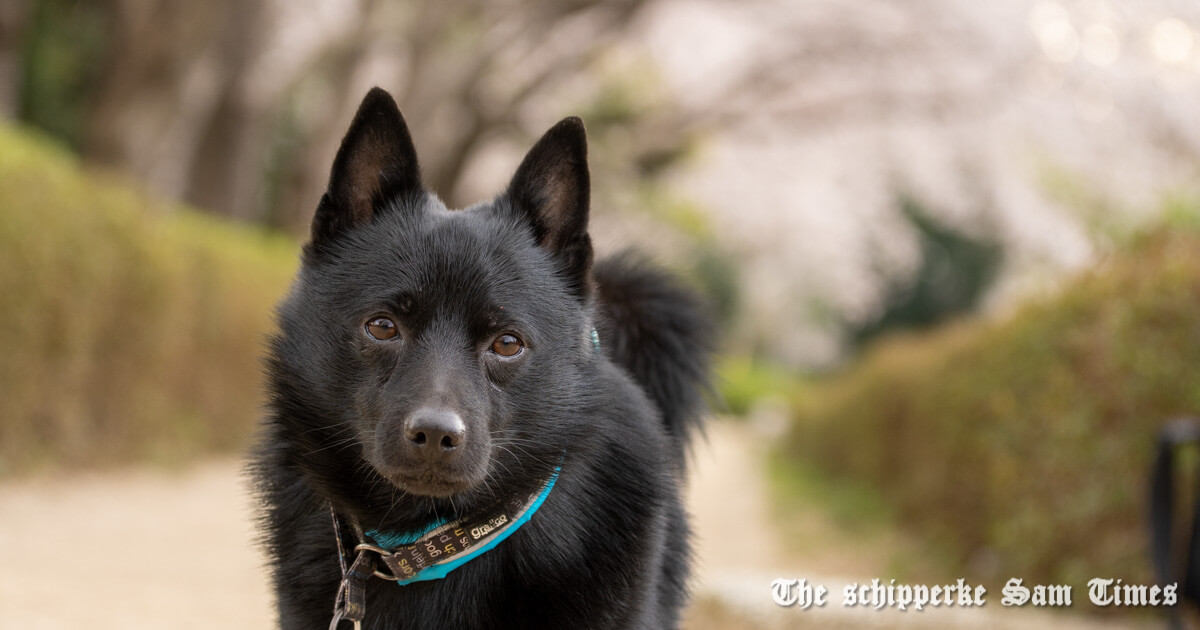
551 190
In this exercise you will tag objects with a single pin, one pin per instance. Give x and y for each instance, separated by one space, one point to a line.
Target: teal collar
432 553
429 554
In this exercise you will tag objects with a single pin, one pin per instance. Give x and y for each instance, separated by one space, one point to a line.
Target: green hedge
129 329
1024 445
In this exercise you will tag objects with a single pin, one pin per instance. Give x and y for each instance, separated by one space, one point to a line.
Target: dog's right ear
376 163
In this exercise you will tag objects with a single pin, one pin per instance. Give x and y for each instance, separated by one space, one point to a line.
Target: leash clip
351 602
337 618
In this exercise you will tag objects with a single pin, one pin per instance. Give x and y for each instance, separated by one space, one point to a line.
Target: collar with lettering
433 553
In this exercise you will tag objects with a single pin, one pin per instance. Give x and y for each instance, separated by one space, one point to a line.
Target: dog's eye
381 328
507 345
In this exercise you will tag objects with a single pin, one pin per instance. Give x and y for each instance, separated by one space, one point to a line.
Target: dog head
438 350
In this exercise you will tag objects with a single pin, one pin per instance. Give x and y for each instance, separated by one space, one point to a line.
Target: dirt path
66 561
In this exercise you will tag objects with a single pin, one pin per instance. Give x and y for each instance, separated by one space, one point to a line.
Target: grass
131 328
844 526
744 382
853 506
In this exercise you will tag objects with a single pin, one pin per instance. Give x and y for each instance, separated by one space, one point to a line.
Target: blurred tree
143 85
13 16
170 94
468 75
955 271
48 55
237 107
825 108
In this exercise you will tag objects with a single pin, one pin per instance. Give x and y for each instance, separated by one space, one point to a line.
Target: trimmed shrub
129 328
1024 444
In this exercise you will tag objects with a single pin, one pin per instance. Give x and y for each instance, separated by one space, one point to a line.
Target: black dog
462 403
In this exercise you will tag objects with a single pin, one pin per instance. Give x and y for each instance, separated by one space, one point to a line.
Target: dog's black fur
609 547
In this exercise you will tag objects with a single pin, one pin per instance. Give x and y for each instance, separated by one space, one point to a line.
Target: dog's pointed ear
376 163
551 190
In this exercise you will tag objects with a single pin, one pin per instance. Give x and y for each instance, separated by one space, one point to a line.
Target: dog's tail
662 333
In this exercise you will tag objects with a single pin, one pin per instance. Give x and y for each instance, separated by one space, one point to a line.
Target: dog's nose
435 432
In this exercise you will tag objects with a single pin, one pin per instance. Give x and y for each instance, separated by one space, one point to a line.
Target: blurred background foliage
954 272
131 327
953 245
1024 444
